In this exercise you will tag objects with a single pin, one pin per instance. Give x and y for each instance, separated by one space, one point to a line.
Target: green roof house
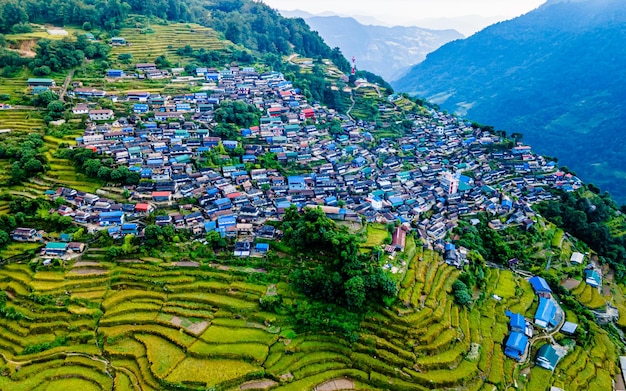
37 82
547 357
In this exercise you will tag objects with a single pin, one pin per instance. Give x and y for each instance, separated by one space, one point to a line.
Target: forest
251 24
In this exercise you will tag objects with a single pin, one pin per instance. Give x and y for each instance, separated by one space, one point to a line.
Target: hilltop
551 74
181 211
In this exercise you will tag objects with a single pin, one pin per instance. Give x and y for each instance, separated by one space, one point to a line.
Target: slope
553 74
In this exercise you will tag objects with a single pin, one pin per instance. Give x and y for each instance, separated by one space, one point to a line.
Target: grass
506 285
376 234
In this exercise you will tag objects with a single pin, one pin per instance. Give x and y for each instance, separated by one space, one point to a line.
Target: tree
55 109
87 26
44 99
125 58
4 238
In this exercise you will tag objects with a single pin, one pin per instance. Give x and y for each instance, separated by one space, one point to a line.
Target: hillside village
417 178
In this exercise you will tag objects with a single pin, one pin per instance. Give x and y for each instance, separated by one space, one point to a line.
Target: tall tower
353 66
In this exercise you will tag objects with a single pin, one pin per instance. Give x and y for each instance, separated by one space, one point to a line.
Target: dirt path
336 385
66 84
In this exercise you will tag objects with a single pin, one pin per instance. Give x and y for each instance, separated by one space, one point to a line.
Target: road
66 84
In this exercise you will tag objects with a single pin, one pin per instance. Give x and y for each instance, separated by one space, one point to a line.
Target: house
115 73
398 239
593 278
140 108
545 314
569 328
118 41
146 67
38 82
143 208
242 249
111 218
163 220
577 258
296 183
130 229
540 286
516 346
25 235
76 247
100 115
55 249
547 357
517 323
80 110
262 247
161 196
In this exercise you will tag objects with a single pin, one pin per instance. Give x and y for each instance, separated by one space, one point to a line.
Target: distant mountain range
386 51
555 74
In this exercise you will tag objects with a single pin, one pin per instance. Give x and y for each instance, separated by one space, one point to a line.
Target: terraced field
153 40
148 325
21 121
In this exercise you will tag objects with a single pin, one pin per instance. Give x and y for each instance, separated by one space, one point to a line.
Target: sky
410 12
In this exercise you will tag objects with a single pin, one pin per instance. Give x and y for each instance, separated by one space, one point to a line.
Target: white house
100 115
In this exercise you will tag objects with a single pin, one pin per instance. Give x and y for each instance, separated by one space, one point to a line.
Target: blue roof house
226 221
230 144
115 73
516 345
140 108
545 313
130 229
540 286
262 247
296 183
593 278
111 218
210 226
517 323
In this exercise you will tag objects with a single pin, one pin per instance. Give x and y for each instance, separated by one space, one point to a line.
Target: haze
464 15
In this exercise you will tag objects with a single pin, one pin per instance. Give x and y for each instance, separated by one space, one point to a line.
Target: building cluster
440 170
548 317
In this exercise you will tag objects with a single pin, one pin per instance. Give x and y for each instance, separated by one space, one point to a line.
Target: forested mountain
554 74
387 51
249 23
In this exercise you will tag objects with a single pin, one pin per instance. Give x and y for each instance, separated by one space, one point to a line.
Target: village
418 180
441 170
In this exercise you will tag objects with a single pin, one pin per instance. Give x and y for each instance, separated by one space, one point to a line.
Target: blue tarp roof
545 311
262 246
539 284
111 214
517 321
517 341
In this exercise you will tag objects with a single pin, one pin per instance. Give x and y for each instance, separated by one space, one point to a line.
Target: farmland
118 325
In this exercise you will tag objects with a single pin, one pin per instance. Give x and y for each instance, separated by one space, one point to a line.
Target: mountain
387 51
555 74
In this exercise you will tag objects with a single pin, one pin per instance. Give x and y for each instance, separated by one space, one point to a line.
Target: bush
22 28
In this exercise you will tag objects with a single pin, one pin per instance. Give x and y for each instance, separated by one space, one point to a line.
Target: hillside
182 212
552 74
387 51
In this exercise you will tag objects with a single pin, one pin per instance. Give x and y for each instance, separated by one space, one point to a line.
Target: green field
207 330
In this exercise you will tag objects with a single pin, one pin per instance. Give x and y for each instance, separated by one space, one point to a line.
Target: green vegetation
344 275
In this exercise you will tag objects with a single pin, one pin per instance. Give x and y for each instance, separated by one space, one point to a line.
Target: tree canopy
342 274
